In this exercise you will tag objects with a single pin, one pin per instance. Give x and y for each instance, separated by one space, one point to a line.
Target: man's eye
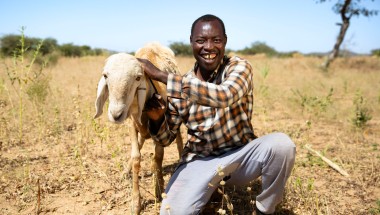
217 40
200 41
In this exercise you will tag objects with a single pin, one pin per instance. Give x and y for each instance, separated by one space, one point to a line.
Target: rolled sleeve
174 86
163 136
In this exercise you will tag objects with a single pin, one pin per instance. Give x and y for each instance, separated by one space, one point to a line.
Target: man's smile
209 56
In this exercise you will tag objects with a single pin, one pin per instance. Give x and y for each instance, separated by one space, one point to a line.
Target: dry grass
80 163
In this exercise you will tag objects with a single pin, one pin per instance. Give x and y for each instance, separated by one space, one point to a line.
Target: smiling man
214 100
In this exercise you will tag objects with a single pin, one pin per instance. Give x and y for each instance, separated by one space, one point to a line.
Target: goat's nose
116 114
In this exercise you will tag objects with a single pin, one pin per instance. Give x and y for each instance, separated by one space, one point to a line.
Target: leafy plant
257 48
24 78
314 103
180 48
361 113
376 209
375 52
263 88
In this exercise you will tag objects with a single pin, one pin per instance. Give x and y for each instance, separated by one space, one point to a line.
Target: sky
125 25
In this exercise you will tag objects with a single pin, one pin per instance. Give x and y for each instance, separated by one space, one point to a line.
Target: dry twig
328 161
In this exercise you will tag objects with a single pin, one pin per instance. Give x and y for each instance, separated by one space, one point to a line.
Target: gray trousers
192 184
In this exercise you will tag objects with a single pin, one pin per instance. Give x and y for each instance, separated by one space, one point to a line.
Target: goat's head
124 83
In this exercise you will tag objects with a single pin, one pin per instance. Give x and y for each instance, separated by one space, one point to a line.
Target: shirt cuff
161 135
174 86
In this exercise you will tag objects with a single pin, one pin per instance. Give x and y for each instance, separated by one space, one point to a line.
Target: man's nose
209 44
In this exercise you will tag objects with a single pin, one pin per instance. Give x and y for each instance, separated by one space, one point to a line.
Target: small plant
57 124
361 113
263 88
24 79
314 103
376 209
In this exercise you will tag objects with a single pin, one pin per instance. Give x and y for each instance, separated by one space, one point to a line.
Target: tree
71 50
257 48
347 9
180 48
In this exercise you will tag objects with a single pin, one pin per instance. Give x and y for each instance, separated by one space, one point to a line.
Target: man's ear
191 42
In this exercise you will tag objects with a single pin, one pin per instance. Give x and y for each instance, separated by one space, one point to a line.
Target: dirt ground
67 163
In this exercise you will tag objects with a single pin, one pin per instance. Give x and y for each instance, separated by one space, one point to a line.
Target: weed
25 79
361 113
38 90
57 124
263 88
375 146
314 104
101 131
304 193
376 209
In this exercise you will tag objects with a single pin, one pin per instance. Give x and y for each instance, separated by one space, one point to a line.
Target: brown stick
38 197
329 162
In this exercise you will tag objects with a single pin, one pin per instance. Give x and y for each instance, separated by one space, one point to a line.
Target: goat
128 88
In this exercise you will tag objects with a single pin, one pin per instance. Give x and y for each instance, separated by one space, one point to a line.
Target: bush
375 52
48 50
70 50
257 48
10 43
179 48
361 113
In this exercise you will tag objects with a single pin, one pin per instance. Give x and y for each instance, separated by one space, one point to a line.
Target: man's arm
153 72
236 84
163 128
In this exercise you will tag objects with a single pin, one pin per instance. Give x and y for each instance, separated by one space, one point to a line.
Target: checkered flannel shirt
217 114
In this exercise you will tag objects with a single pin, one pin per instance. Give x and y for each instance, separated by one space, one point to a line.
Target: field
55 159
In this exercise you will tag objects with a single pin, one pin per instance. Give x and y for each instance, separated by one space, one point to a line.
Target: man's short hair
209 17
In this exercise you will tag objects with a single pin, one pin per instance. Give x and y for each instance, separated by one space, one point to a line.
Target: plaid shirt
217 114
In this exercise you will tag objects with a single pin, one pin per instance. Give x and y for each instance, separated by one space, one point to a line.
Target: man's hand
152 71
155 108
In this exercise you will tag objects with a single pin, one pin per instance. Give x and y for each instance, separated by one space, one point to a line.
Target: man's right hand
152 71
155 108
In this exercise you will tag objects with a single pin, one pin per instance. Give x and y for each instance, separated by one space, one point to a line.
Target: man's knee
282 142
281 147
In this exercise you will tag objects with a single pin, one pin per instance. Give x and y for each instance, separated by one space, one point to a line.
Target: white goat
128 88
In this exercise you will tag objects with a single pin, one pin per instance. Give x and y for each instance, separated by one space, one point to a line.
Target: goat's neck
149 88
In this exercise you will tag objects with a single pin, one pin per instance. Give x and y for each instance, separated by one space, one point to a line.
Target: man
214 101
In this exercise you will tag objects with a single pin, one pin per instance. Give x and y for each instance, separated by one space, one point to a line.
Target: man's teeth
209 56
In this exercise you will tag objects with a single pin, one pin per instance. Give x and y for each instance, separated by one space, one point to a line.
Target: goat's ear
101 97
141 97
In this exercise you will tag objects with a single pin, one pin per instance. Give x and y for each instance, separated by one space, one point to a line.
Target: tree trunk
343 29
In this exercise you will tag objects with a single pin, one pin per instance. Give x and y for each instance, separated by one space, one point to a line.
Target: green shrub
180 48
10 43
37 90
314 104
361 112
257 48
375 52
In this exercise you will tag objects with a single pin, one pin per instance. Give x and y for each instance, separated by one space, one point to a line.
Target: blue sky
122 25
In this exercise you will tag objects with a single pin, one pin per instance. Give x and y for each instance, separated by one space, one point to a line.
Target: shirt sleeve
169 127
236 83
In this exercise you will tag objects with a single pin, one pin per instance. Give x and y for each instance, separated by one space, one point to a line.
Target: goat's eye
138 78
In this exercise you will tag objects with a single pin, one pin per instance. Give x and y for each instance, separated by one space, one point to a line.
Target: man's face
208 42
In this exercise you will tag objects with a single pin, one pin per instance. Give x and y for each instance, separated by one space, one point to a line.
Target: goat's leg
157 170
141 141
136 158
